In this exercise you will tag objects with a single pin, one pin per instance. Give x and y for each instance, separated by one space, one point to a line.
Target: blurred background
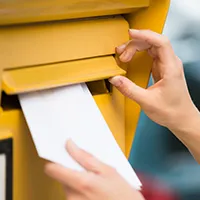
172 172
183 29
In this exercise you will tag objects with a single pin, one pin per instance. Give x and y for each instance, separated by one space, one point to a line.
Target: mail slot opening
10 102
99 87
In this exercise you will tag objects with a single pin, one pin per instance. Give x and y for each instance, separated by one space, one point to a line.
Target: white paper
70 112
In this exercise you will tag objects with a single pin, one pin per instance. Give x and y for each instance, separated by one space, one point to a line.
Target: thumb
129 89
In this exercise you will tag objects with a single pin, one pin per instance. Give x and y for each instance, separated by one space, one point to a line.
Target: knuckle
120 83
86 183
91 164
129 92
179 71
165 40
111 171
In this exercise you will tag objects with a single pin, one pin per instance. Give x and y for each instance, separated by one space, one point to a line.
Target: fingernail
133 30
115 80
120 49
121 46
124 57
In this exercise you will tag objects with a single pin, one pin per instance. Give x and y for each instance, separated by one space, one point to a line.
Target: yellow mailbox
51 43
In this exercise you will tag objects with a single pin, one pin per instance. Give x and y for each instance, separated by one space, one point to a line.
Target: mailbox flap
28 79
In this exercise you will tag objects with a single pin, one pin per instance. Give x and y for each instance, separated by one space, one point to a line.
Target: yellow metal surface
5 134
112 108
62 41
23 11
138 70
49 76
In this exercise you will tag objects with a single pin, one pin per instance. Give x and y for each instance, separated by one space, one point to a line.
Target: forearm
188 132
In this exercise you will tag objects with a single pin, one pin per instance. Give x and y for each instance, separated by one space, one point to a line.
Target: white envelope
70 112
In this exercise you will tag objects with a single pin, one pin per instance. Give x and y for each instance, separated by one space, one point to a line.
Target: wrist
186 123
188 132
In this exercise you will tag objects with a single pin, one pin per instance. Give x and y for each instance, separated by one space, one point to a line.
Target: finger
120 49
73 194
150 37
66 176
157 42
132 47
86 160
129 89
117 60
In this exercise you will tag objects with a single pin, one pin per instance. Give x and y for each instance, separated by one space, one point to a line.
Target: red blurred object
154 190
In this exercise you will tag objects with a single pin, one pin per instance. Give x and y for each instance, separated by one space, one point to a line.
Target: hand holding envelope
100 181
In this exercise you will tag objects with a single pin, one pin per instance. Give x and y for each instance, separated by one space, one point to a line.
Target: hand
98 182
167 102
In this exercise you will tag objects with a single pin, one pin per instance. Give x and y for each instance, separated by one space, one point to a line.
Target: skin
167 103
